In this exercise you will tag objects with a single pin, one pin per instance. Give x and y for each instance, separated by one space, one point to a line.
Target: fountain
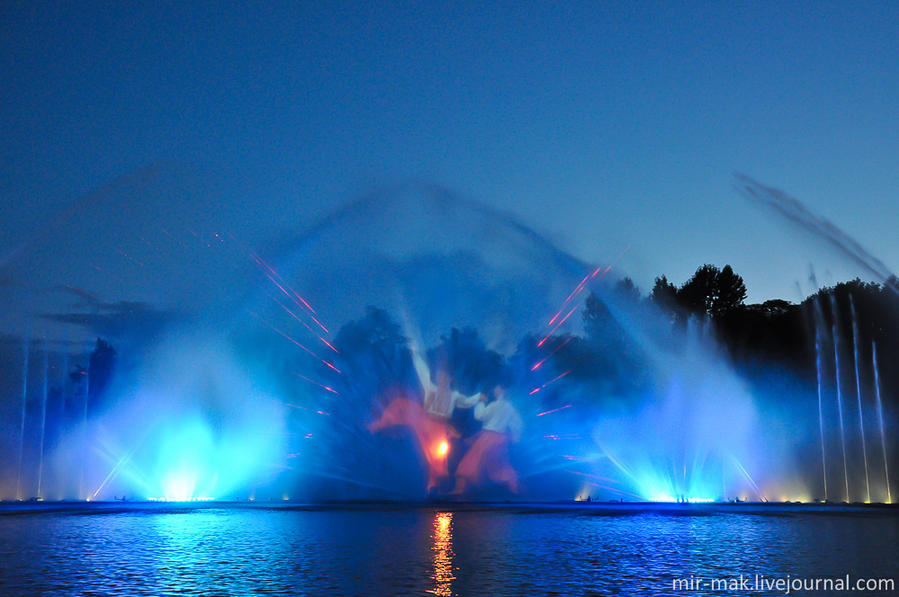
819 322
26 352
85 442
835 335
40 461
858 394
883 440
619 399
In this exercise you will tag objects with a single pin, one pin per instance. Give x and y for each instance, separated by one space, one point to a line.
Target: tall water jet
797 213
40 461
819 322
63 374
858 394
84 443
883 437
27 347
835 332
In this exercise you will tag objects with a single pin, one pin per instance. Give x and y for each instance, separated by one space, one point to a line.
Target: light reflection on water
424 550
443 554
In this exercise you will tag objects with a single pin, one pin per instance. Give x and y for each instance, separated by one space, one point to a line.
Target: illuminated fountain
853 447
275 399
667 420
835 336
26 352
819 365
883 438
858 395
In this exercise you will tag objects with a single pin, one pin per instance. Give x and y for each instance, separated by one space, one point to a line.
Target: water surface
434 549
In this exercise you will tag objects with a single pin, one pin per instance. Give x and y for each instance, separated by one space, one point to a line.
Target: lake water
215 549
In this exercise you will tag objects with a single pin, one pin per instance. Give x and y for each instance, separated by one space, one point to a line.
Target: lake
440 549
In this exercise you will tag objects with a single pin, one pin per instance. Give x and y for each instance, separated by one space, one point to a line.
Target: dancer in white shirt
489 454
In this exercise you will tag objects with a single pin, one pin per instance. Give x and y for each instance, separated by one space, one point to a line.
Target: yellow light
443 573
443 448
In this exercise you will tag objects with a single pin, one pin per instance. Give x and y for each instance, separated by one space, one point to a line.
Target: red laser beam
306 325
599 271
539 363
592 476
297 299
578 289
322 386
288 337
129 257
555 410
564 319
276 277
556 378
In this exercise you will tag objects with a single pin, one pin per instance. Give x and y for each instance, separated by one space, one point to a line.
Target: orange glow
442 448
443 575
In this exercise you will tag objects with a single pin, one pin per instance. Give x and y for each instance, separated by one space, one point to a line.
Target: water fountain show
418 345
365 298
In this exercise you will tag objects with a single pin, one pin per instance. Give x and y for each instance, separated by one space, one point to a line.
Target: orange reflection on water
443 554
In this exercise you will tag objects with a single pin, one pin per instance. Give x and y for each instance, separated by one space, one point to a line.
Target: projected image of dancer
488 457
429 418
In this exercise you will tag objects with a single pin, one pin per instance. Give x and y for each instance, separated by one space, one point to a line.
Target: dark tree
664 294
697 295
625 290
373 354
617 359
599 323
100 372
775 307
712 292
465 356
730 292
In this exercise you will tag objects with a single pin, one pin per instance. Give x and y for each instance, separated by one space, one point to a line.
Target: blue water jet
858 394
835 335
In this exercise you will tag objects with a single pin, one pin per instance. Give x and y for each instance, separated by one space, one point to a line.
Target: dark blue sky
601 124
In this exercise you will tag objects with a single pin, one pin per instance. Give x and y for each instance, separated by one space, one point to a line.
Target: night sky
601 125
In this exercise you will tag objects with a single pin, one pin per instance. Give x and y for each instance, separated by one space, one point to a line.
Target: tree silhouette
463 353
698 293
664 295
101 368
374 355
712 292
626 290
599 323
730 292
616 358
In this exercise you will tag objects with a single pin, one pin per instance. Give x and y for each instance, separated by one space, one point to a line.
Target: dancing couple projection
486 459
